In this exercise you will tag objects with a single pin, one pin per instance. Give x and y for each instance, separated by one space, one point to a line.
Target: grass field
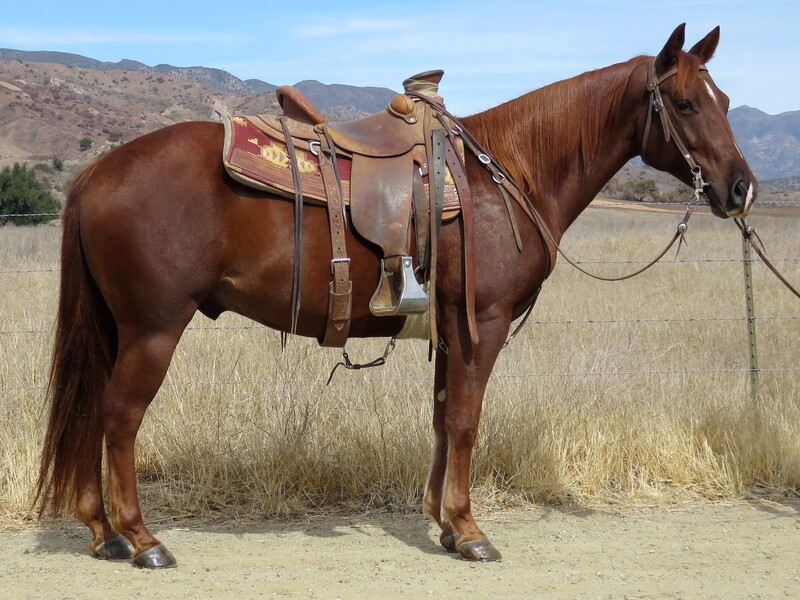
634 392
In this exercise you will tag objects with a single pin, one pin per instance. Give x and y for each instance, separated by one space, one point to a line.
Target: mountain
50 101
213 78
326 97
771 143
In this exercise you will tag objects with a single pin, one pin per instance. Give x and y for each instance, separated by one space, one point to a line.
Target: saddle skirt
255 155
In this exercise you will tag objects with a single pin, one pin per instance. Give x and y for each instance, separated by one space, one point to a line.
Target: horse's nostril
739 192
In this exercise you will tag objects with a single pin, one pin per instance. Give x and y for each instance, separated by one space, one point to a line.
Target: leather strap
422 218
436 180
657 105
298 226
340 290
751 236
456 167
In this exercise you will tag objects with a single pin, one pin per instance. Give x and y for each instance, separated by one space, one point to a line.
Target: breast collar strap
656 102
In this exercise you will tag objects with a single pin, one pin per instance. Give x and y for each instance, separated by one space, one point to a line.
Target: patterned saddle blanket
256 155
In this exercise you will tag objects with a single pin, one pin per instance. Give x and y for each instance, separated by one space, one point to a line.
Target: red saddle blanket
257 160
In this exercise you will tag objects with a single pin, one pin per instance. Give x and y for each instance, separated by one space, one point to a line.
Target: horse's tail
83 356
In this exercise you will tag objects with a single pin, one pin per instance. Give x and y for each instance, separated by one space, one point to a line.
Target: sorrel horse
156 230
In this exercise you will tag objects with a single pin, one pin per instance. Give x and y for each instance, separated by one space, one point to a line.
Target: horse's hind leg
89 509
141 365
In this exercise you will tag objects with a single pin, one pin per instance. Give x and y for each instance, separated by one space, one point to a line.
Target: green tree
640 190
21 193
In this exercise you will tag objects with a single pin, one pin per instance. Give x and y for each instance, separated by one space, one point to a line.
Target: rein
749 233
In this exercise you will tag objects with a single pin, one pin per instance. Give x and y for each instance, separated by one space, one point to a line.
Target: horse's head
694 141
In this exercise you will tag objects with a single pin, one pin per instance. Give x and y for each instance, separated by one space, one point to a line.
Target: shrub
640 190
21 193
85 143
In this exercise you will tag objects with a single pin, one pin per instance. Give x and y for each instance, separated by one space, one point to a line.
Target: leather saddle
387 167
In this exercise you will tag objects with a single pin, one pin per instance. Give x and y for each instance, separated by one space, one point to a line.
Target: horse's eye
684 105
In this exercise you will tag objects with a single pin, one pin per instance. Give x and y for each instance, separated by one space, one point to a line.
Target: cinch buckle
339 260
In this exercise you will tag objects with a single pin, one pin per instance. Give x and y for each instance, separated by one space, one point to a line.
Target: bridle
670 133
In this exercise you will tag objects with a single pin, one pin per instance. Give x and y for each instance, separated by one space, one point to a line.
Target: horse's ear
704 49
668 56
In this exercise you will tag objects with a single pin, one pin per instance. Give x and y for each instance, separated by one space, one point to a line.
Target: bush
85 143
21 193
640 190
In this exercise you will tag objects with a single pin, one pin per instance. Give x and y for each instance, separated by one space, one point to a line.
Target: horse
157 230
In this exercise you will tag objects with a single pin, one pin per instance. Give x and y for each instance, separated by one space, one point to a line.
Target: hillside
771 143
213 78
47 108
51 101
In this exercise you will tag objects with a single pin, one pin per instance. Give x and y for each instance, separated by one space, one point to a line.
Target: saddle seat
388 133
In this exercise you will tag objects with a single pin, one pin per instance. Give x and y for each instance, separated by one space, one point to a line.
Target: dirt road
730 550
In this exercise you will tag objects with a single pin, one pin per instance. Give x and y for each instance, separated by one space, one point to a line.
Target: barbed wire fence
749 320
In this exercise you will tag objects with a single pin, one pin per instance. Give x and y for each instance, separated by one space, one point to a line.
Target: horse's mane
536 137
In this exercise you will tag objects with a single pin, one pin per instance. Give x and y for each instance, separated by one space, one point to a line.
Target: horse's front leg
467 373
434 487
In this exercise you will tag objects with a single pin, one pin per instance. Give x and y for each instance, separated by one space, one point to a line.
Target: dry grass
632 392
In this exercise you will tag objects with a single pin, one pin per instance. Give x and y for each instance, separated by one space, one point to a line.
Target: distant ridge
57 101
213 78
771 143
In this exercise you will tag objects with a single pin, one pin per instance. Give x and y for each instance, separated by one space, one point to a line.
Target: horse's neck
566 166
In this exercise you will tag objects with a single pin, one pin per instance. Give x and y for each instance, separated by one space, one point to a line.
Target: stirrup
398 293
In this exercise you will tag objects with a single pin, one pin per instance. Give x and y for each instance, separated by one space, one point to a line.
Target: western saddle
399 160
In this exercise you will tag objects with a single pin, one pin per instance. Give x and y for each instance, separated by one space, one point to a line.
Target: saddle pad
257 160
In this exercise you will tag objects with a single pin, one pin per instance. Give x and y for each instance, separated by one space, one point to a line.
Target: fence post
751 320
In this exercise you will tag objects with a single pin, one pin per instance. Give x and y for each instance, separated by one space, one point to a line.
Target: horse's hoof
156 558
481 549
115 548
448 542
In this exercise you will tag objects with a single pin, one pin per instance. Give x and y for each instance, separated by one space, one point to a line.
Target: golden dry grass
632 392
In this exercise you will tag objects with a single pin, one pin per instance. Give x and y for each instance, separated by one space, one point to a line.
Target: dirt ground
724 550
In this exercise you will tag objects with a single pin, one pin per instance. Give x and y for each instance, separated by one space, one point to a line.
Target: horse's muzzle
739 199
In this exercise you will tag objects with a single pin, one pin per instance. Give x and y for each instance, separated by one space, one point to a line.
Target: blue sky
491 50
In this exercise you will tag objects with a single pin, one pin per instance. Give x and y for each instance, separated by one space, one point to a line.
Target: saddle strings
298 228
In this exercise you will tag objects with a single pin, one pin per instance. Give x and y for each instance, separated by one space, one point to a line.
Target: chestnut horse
156 230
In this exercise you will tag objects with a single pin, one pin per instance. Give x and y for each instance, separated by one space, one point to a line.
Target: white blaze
749 199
